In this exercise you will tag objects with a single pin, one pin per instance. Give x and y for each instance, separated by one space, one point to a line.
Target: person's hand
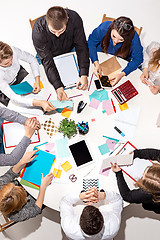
61 95
47 106
45 181
116 78
115 167
28 157
89 197
154 89
101 195
144 75
29 131
36 87
82 84
97 70
33 123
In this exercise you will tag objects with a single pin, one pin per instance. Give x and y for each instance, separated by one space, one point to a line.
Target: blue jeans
1 137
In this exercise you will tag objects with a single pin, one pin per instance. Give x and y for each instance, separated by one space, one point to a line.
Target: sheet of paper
58 174
41 164
14 132
99 95
62 149
137 169
129 116
94 103
103 149
121 160
28 184
22 88
111 144
107 105
62 104
68 69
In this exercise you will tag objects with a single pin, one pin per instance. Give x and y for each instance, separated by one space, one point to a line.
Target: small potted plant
67 127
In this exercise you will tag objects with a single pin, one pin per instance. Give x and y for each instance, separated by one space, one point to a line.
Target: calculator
124 92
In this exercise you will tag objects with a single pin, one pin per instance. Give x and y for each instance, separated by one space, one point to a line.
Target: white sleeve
5 88
147 55
27 57
67 212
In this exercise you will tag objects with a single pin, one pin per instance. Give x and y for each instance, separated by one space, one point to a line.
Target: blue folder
22 88
41 164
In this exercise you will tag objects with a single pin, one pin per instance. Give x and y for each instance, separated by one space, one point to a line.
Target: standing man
58 32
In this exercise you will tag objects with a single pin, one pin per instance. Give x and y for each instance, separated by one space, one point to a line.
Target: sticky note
66 112
93 120
94 103
66 166
111 144
58 175
41 85
107 105
122 107
104 149
103 111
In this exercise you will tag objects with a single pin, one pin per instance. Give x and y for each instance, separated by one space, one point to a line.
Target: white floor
15 30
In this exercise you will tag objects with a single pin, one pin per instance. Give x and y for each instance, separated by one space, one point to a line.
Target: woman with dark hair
148 192
117 38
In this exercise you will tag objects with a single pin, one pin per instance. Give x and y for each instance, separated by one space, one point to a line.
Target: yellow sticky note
66 112
58 175
124 106
66 166
41 85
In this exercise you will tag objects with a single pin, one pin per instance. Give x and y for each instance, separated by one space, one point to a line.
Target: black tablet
81 153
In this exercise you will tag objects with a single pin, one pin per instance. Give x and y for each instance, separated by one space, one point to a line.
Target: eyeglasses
120 24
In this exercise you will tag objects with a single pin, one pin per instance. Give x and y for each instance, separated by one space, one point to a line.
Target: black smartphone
98 85
105 81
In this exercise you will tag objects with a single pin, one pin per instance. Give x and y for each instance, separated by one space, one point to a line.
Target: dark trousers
20 76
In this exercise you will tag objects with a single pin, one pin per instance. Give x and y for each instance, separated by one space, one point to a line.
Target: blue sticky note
99 95
62 104
62 148
22 88
104 149
41 164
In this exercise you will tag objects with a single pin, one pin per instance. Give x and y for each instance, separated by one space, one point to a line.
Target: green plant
67 127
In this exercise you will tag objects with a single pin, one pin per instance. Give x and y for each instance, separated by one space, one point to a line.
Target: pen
113 105
114 139
75 96
47 100
118 144
119 131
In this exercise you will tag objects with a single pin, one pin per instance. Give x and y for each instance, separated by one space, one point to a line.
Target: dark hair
150 182
127 34
57 17
91 220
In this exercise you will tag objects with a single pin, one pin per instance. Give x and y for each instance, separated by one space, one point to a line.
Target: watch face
105 81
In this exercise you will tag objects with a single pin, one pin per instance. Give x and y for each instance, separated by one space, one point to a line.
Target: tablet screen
80 153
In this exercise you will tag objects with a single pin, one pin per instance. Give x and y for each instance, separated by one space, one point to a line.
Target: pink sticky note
111 144
107 105
94 103
49 146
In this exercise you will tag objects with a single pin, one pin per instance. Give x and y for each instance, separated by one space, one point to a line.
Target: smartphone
105 81
148 82
98 85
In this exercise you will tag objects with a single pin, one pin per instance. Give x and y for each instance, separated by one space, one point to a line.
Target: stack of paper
63 107
22 88
97 97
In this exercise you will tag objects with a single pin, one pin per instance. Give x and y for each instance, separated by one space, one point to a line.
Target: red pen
114 108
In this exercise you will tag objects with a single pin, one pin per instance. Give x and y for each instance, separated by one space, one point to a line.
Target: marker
76 96
114 108
119 131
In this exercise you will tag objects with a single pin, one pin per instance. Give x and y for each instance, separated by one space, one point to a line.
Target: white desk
146 134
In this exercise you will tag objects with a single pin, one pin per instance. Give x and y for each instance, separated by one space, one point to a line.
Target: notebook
90 183
124 92
110 67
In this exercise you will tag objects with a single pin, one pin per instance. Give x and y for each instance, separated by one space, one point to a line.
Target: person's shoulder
72 13
40 24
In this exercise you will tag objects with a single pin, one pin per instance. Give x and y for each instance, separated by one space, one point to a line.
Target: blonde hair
151 181
12 198
5 51
154 61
